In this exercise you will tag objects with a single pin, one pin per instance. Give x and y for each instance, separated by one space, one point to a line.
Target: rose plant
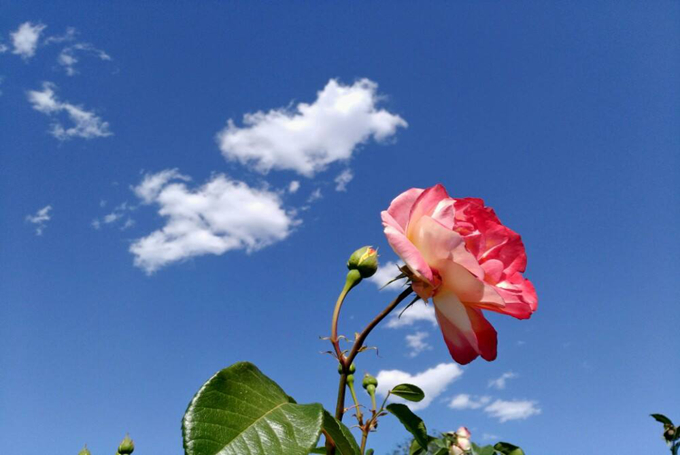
457 253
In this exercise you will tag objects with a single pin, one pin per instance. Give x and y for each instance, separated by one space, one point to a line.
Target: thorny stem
346 361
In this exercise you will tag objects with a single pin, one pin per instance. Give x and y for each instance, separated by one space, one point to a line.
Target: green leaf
662 419
415 449
240 410
411 422
508 449
370 452
345 444
319 450
486 450
442 452
408 392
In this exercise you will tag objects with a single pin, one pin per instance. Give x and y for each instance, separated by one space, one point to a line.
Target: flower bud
126 446
669 433
352 368
365 260
369 383
85 451
462 442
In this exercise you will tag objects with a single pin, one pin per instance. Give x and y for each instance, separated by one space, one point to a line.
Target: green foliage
411 422
240 410
486 450
408 392
508 449
662 419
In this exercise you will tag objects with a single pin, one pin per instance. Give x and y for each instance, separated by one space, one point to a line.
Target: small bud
352 368
365 260
669 433
85 451
369 381
126 446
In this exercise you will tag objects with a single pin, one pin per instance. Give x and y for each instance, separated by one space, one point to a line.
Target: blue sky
563 117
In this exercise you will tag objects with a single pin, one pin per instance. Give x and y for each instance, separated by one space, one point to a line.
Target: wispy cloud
500 383
310 137
68 57
512 410
433 381
417 344
315 196
40 219
119 212
25 39
343 179
86 124
465 401
419 311
219 216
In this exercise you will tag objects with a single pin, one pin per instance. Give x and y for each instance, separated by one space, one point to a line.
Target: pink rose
459 254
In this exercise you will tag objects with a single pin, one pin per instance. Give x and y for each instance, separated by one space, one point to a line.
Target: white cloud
152 184
40 219
25 39
118 213
499 383
433 382
310 137
67 57
315 196
387 272
417 343
85 124
219 216
465 401
512 410
294 186
69 35
419 311
343 179
3 48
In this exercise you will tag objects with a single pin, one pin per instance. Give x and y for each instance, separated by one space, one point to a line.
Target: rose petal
407 252
400 208
425 204
466 332
440 246
456 327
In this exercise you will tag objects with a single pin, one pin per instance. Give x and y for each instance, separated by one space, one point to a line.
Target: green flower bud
369 381
126 446
350 380
85 451
352 368
365 260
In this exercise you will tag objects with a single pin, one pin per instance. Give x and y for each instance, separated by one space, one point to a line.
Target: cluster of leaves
424 444
240 410
671 433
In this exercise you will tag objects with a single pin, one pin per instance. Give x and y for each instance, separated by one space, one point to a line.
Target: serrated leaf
240 410
345 444
408 392
508 449
662 419
411 422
